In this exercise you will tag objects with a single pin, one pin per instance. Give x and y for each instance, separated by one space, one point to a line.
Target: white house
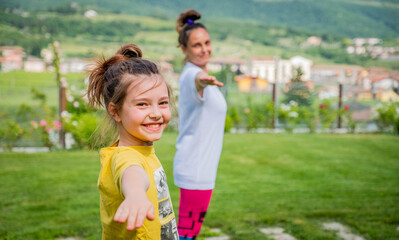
334 74
270 68
303 63
11 58
90 13
73 65
327 92
34 64
236 65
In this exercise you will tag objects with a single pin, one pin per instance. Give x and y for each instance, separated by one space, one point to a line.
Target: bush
308 117
235 116
327 113
10 133
387 118
288 115
82 127
269 114
228 124
347 118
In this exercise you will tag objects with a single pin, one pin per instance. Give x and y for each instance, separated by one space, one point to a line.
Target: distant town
255 74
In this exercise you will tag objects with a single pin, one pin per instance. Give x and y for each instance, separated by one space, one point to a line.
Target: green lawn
264 180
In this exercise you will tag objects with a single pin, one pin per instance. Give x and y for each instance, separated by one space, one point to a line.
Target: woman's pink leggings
192 209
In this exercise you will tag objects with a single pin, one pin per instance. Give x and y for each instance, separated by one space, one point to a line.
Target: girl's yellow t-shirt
114 160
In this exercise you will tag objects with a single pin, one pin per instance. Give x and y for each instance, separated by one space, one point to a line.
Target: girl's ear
113 112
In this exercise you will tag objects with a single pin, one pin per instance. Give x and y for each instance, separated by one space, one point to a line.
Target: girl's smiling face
145 112
199 48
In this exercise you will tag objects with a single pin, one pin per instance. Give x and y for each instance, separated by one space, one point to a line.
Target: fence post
274 104
61 92
275 91
339 105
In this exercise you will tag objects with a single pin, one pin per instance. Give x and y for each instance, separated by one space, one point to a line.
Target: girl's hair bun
130 51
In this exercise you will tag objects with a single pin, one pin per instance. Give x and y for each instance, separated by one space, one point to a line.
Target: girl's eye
141 104
164 103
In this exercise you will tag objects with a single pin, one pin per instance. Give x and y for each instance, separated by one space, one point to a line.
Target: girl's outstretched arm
136 207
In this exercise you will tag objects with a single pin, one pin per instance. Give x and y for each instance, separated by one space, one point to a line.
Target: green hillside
356 18
38 25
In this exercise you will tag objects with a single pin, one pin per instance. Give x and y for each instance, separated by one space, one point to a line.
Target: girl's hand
136 207
135 211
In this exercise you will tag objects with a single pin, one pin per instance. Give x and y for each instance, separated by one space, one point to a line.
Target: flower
65 114
64 82
57 125
285 107
76 104
43 123
293 114
34 124
247 110
322 106
346 108
70 98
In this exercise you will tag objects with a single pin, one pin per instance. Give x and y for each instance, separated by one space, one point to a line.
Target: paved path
277 233
342 231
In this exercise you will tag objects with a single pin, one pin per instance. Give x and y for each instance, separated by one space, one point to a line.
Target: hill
46 22
358 18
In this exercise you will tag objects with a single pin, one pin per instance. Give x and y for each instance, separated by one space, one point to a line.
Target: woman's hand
203 79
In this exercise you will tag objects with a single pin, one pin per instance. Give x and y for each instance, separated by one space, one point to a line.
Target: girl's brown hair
110 78
185 24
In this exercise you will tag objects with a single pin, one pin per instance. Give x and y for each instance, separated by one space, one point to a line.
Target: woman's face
199 48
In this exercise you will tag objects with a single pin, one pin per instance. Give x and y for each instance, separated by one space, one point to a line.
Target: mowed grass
296 182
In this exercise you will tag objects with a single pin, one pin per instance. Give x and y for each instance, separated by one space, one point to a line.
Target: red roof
262 58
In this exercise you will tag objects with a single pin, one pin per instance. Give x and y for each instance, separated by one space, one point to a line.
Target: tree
298 91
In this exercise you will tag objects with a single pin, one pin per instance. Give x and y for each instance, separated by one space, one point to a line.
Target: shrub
82 127
269 114
254 117
327 113
10 133
346 114
288 115
235 116
228 124
387 118
308 117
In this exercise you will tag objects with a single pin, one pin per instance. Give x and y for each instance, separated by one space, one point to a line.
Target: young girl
135 201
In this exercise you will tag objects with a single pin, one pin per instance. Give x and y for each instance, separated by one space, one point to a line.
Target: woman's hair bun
130 51
184 18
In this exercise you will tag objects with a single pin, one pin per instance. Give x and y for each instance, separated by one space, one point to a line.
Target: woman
202 113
